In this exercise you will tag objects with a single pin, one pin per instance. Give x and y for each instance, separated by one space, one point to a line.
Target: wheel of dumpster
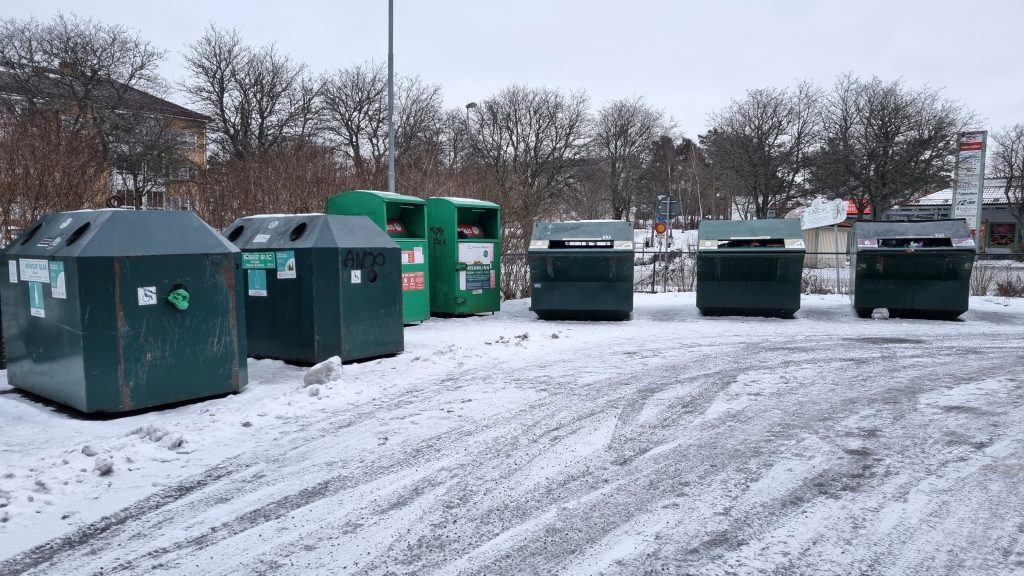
864 312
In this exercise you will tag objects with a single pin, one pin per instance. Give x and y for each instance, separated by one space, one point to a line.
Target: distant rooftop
991 195
53 84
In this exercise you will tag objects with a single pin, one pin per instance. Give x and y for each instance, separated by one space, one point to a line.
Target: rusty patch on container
122 379
227 269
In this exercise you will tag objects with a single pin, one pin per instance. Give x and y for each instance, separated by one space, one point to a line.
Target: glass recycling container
465 256
914 269
120 310
582 270
404 218
749 267
318 286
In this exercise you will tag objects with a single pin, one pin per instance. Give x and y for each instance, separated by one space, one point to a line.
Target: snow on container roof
784 228
578 230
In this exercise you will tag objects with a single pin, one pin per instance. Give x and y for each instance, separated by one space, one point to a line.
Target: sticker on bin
476 253
58 286
792 243
260 238
286 267
35 300
963 242
33 270
259 260
413 281
357 276
414 256
12 271
147 295
257 282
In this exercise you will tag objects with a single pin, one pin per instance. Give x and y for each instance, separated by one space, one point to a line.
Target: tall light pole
391 96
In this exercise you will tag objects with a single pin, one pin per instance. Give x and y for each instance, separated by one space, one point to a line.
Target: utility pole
391 96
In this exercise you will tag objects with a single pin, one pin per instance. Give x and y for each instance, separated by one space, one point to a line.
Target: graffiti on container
359 259
437 237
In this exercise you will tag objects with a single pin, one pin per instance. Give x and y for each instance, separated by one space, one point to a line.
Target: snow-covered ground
505 445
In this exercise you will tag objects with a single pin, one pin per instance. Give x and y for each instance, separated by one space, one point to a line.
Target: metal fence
823 273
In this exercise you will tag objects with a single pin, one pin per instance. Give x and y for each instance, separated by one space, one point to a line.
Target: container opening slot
297 232
234 234
31 233
752 243
77 234
915 242
581 243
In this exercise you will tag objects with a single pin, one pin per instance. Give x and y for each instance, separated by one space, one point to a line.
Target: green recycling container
582 270
118 310
749 267
318 286
465 256
913 269
404 218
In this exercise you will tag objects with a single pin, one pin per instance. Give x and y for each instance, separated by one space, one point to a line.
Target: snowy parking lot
669 444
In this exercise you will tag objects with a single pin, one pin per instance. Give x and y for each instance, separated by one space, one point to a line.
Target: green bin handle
178 298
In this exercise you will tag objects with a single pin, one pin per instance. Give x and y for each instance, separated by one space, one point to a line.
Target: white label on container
260 238
417 255
147 295
357 276
33 270
12 269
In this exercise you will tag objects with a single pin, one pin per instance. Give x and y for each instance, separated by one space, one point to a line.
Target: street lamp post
391 96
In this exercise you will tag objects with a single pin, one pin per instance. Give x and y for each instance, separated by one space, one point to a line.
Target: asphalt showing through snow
826 445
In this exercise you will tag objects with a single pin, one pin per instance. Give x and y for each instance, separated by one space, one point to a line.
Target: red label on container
413 281
470 231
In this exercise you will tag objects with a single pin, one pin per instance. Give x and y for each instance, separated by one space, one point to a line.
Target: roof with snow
992 194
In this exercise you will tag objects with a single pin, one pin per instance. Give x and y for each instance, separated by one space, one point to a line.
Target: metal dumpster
318 286
115 310
404 218
582 270
749 267
914 269
465 256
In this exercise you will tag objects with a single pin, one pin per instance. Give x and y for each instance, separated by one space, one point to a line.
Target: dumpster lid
470 202
778 233
289 231
118 232
918 234
386 196
609 234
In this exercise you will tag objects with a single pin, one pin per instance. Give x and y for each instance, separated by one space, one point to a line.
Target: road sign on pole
668 206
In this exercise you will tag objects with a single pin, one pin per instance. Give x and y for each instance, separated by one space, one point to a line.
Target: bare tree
623 132
884 143
259 98
528 142
355 106
1008 163
45 167
760 146
146 157
89 71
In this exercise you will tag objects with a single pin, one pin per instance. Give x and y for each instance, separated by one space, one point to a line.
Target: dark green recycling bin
117 310
749 267
582 270
318 286
465 256
914 269
404 218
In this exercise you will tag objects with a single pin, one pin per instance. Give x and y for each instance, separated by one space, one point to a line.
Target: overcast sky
686 58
